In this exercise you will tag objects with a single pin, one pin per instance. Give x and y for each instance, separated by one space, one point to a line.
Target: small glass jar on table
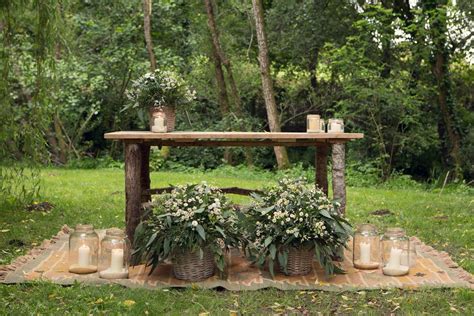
395 252
366 247
335 126
314 124
114 255
83 250
159 123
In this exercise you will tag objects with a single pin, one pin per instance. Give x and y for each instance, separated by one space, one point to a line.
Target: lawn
96 196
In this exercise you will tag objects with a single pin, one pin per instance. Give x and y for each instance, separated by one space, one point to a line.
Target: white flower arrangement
159 88
191 217
295 214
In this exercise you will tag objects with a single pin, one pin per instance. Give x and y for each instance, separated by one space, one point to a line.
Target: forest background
399 71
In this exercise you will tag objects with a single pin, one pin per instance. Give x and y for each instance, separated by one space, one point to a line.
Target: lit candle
365 252
84 255
116 262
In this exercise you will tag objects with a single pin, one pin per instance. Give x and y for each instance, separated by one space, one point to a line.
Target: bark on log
338 181
230 190
322 167
133 157
145 172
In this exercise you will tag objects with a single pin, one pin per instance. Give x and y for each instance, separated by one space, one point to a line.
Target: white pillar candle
364 252
159 122
335 126
395 258
116 262
84 253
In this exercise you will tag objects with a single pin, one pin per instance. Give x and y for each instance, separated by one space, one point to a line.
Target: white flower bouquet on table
290 223
192 226
161 90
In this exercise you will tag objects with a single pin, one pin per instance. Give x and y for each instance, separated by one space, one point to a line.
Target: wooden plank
338 179
144 135
145 172
230 190
133 190
322 167
232 143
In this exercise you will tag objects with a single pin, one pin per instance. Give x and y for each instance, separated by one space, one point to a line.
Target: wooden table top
232 139
242 136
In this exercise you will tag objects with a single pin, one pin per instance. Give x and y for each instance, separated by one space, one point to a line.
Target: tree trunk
313 65
147 31
219 59
322 167
133 188
440 68
267 84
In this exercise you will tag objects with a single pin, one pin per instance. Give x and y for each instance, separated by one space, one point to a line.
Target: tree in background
267 83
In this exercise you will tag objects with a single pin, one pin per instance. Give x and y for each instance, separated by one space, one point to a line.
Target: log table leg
145 173
322 167
338 181
133 164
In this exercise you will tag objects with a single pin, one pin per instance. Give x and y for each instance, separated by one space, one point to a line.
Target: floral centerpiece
161 90
291 222
192 226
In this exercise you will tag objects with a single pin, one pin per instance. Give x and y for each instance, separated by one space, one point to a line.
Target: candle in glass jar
335 126
158 125
116 262
314 124
395 257
84 253
365 252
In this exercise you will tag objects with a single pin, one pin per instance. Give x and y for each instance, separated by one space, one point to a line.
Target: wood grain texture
133 158
322 167
240 136
338 178
230 190
145 172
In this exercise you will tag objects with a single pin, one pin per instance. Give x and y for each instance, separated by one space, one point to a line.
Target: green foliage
190 218
293 215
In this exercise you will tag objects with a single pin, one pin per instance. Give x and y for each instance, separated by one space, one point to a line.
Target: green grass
96 196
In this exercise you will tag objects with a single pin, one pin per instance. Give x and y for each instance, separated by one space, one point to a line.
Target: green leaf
201 231
271 267
268 240
273 251
221 231
325 214
166 246
151 240
265 210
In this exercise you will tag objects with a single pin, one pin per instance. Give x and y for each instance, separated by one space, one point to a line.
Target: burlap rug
433 269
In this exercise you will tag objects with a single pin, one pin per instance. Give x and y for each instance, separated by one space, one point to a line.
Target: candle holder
335 126
395 252
83 250
159 122
114 255
366 247
314 124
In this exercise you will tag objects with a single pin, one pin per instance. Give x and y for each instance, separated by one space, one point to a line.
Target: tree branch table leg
133 164
338 180
322 167
145 173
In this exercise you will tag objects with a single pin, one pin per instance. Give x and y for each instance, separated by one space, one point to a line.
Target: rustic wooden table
137 155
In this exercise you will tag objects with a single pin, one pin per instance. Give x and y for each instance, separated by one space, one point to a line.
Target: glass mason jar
395 252
335 126
366 247
83 249
314 124
159 123
114 255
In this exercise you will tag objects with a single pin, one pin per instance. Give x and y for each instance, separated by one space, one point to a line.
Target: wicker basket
170 113
190 267
300 260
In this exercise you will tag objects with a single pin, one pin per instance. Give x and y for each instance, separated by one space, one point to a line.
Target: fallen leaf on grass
129 303
4 230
